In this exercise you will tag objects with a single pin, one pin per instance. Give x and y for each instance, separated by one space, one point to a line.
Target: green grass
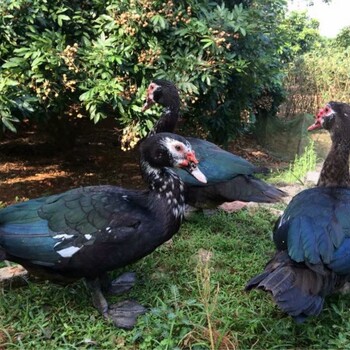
195 291
299 167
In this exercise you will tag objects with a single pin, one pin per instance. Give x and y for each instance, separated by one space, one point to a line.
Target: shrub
317 77
94 58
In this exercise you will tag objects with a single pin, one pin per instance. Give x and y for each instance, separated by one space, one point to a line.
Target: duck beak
315 126
318 121
195 172
149 102
190 165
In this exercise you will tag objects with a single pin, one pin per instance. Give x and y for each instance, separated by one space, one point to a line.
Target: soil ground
31 167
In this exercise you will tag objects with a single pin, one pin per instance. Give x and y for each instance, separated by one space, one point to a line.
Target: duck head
171 150
335 118
163 92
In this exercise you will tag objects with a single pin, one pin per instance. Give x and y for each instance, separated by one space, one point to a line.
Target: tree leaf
61 18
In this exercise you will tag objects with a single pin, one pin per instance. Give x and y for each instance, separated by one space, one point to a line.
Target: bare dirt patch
31 167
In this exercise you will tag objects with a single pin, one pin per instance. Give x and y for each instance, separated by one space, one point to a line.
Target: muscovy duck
312 236
87 231
229 177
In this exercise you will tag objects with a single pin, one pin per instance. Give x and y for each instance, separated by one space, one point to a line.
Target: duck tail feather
297 290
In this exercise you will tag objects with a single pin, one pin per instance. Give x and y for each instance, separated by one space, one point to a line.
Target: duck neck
168 120
335 170
166 186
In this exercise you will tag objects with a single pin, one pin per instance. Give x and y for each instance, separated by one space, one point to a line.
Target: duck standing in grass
87 231
229 177
312 236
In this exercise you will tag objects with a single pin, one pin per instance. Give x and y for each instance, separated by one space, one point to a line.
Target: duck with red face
312 237
229 177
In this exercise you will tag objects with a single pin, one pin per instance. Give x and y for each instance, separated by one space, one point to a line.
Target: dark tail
241 188
295 288
250 189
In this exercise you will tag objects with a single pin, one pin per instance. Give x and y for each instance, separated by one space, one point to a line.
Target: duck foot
124 314
122 284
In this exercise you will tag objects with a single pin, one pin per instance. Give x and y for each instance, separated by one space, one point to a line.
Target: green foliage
7 102
301 34
95 58
311 2
299 167
212 256
317 77
330 70
319 68
342 40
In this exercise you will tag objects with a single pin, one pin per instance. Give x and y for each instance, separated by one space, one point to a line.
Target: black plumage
312 236
88 231
229 177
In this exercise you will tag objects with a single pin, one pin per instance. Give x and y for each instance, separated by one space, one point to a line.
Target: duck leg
98 299
120 285
123 314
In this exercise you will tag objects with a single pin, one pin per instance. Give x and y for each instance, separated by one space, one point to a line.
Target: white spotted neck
166 185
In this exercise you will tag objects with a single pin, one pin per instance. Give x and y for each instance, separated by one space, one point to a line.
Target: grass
194 288
299 167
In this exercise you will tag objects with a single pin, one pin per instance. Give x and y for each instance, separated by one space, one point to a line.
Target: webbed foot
124 314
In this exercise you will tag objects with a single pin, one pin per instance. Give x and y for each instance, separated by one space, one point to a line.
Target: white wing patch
63 236
68 252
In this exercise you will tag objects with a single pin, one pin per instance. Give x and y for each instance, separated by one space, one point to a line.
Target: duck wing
50 229
315 228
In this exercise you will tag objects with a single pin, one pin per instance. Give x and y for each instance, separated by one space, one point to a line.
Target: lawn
194 289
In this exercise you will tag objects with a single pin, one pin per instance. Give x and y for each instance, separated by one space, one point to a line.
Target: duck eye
178 148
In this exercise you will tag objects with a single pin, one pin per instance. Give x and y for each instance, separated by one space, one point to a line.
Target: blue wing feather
310 233
316 227
335 231
324 244
295 243
341 258
40 230
32 242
